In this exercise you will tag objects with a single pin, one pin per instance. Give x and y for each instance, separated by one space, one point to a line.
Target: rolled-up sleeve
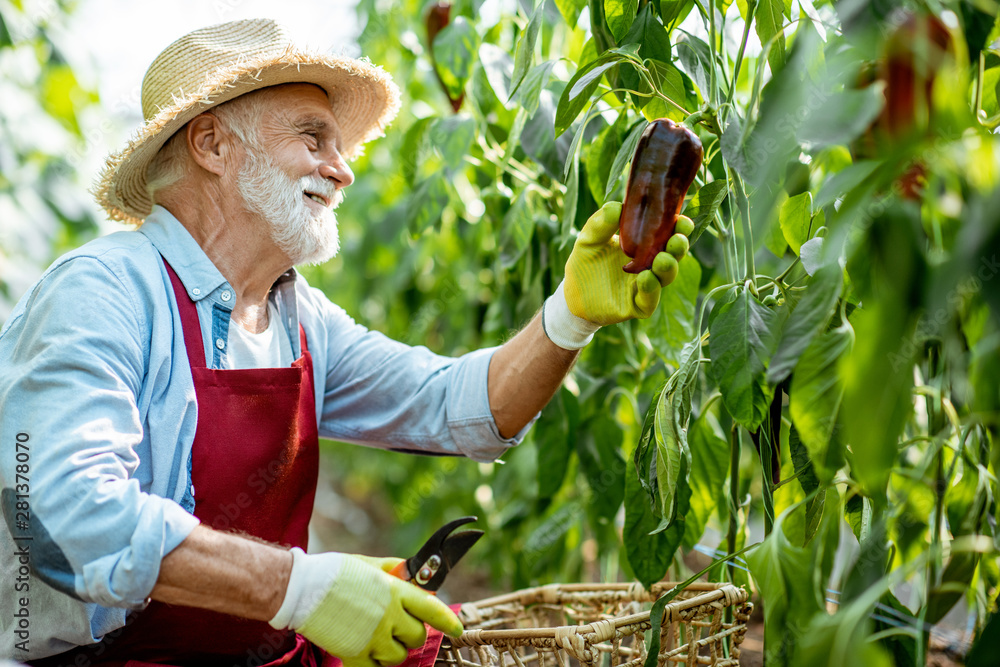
386 394
74 361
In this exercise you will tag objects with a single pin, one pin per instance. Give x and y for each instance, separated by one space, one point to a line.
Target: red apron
254 466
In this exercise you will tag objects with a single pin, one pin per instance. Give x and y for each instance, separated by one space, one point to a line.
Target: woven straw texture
600 625
216 64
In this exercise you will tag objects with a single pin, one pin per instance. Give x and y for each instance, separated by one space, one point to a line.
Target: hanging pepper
438 17
664 165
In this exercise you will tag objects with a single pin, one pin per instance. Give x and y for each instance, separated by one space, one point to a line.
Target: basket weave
599 625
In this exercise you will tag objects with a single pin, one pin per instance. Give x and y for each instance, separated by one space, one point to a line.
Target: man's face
294 178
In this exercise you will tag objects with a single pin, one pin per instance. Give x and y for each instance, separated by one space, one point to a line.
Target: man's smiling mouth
319 199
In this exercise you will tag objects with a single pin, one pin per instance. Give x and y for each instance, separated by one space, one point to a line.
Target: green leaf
498 67
579 90
741 342
572 156
815 396
61 93
696 57
709 472
673 83
601 154
572 198
644 457
810 316
878 379
701 208
672 325
427 203
553 436
769 22
620 14
774 240
654 44
844 181
669 455
455 49
991 91
531 88
453 136
5 38
985 651
570 9
674 11
784 576
525 51
842 118
414 142
598 445
808 481
624 156
518 228
955 581
794 218
649 554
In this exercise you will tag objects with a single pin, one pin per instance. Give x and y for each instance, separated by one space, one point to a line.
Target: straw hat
216 64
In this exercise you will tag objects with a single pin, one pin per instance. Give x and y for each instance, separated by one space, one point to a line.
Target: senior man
162 390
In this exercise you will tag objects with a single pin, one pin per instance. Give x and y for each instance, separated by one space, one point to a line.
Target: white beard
305 235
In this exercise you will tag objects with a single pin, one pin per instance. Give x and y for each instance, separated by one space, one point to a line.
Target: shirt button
227 295
196 291
219 343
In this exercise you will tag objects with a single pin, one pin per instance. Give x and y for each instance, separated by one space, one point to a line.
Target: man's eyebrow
311 123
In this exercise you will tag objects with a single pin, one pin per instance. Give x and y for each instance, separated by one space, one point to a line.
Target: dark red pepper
914 52
665 163
438 17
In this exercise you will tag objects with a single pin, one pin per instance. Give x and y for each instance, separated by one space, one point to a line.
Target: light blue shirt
95 380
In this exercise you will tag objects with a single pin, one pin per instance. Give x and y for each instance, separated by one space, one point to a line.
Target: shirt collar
196 271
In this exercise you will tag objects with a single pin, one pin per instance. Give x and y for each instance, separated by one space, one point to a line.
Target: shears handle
399 571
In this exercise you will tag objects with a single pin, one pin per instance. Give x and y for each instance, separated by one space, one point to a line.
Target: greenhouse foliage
829 353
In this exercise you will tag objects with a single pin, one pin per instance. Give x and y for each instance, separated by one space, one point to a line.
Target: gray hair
240 116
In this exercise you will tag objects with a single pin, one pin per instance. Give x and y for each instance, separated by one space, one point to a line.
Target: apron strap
189 320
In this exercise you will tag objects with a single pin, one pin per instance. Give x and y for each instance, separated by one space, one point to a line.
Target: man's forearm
226 573
524 375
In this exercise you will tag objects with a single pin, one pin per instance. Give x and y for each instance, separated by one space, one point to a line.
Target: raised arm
526 372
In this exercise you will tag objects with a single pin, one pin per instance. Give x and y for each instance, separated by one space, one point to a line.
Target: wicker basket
599 625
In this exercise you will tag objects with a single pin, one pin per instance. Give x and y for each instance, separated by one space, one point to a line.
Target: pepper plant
830 353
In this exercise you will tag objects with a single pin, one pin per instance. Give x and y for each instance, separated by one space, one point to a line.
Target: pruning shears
428 568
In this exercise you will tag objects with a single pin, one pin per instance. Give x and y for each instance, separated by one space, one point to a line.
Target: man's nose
336 169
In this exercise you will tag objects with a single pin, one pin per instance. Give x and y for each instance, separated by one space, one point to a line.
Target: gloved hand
597 292
354 609
596 287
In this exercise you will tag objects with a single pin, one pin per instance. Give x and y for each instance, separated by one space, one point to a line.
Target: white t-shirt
270 348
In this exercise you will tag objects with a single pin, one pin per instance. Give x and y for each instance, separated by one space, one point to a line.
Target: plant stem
734 492
711 46
751 8
744 205
784 274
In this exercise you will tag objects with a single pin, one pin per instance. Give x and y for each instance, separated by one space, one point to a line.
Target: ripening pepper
665 163
438 17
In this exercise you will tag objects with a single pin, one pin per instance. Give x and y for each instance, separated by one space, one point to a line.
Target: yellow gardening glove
596 287
354 609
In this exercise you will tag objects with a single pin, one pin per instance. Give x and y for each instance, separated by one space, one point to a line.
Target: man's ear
209 143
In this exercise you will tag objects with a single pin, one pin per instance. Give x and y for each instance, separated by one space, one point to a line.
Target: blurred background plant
824 376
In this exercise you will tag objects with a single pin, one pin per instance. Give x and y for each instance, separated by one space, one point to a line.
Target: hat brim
362 96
